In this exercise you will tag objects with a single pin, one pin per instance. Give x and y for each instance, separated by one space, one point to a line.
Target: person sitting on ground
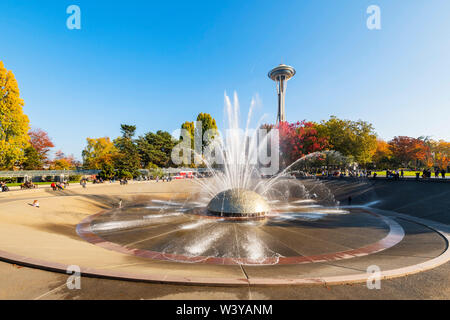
35 204
53 186
59 186
4 187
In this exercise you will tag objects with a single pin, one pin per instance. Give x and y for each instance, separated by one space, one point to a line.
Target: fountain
238 203
237 215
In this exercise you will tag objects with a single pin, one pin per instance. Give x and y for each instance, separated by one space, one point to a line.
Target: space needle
281 75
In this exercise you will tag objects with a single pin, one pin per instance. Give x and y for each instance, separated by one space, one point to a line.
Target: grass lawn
405 173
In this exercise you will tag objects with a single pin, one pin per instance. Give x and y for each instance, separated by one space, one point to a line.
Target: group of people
164 179
59 185
28 185
390 174
395 174
426 173
363 173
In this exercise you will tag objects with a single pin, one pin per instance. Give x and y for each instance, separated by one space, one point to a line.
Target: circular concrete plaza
76 227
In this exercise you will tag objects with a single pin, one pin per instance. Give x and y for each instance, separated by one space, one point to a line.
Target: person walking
349 200
402 173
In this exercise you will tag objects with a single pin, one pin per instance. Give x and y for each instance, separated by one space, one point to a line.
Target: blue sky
156 64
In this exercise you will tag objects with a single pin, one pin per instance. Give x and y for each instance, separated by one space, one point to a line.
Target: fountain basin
238 203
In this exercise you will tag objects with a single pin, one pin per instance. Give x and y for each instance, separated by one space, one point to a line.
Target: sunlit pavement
67 210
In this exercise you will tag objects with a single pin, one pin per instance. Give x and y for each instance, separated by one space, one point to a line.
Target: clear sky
157 64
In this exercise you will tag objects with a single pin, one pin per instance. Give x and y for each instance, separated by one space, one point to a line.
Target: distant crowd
390 174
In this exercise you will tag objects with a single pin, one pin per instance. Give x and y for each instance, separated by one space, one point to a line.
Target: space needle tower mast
281 75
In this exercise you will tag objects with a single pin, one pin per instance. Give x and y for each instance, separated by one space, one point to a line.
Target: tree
128 131
155 171
190 128
99 153
208 132
107 171
63 162
383 155
127 161
41 142
297 140
351 138
33 160
208 126
156 149
190 131
36 154
441 153
408 151
14 124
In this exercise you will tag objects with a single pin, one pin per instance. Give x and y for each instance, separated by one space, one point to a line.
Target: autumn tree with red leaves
36 154
408 151
41 142
63 162
297 140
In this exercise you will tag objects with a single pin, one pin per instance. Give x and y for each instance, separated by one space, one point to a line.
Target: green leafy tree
107 171
156 148
33 160
355 139
190 128
128 160
208 125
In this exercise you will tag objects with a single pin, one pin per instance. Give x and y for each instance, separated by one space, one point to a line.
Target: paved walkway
48 234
